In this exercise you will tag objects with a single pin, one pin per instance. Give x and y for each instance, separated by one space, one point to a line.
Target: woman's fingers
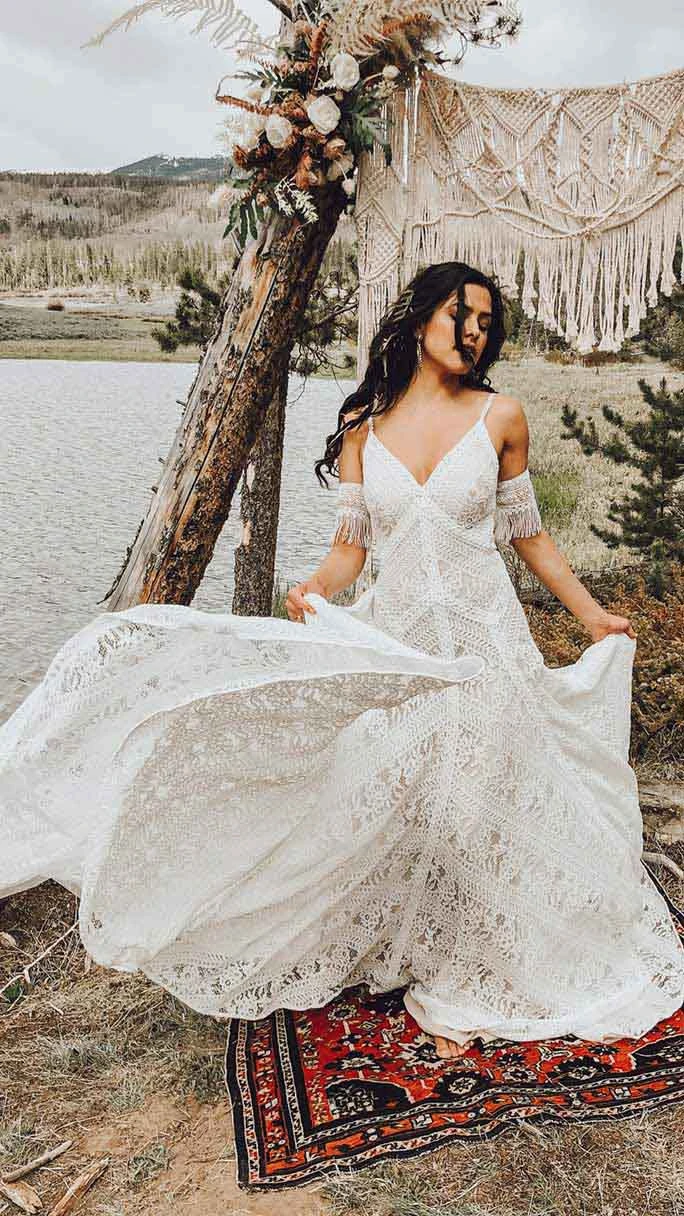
296 605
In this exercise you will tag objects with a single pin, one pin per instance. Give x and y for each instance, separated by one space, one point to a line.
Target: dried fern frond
360 26
231 27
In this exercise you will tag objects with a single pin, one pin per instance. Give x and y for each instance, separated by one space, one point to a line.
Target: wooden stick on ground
24 975
50 1155
661 859
22 1196
78 1187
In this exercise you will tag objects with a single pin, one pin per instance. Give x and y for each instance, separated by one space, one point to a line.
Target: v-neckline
422 484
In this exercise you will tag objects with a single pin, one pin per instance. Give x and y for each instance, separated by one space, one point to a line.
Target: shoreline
104 333
87 351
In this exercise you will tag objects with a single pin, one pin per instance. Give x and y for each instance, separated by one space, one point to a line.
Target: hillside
177 168
85 230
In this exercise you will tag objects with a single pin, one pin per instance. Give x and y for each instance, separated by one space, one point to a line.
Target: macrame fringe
352 528
352 519
511 523
517 510
586 184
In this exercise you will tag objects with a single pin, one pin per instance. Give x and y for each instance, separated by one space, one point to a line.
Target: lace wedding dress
258 813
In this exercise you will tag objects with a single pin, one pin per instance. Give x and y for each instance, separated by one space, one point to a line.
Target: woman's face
439 333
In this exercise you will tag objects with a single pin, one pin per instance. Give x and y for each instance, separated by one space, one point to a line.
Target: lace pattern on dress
517 511
352 519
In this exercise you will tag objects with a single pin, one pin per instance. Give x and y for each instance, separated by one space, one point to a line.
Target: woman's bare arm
540 553
344 562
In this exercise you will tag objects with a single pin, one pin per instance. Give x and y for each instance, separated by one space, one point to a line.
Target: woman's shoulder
509 412
356 434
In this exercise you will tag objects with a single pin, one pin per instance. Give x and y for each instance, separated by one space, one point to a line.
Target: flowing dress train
258 813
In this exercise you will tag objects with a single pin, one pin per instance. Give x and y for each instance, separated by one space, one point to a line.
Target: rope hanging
586 183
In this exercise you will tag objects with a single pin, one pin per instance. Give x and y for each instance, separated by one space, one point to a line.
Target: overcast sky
151 89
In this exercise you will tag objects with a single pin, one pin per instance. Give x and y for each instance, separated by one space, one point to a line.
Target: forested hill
178 168
135 227
63 230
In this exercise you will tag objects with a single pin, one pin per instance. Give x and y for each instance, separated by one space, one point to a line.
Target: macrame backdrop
586 183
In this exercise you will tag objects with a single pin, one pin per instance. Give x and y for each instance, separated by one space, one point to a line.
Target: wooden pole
236 382
260 509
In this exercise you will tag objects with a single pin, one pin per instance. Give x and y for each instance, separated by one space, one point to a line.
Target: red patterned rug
358 1081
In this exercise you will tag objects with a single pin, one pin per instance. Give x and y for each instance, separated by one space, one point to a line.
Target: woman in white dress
258 815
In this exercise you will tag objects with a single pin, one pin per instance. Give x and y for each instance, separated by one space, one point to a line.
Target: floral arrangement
309 113
306 118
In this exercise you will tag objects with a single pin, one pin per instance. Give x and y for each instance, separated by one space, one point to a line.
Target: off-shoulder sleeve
352 519
517 512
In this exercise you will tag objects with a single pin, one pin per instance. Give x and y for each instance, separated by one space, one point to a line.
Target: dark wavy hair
392 355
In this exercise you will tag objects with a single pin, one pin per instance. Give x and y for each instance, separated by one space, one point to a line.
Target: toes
447 1049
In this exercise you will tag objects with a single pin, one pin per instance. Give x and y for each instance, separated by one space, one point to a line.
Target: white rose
345 70
324 114
278 130
390 71
255 92
339 167
348 185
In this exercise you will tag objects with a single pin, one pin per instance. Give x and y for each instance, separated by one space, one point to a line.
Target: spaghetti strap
487 404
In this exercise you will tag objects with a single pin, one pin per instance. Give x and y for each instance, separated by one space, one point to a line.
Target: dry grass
586 483
124 1069
632 1168
657 736
129 1072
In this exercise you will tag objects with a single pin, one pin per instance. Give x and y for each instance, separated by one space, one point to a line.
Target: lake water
79 444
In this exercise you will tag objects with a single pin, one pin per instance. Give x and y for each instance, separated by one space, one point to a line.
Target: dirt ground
126 1071
132 1075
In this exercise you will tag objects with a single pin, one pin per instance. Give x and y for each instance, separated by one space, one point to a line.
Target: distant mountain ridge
179 168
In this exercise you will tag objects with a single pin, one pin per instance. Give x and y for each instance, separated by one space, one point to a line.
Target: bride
401 793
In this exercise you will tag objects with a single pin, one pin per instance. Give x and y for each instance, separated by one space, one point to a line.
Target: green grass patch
557 495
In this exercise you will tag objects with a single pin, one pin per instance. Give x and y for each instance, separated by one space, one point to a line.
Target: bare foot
447 1049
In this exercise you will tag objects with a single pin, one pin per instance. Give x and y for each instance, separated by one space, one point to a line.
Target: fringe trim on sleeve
352 520
517 511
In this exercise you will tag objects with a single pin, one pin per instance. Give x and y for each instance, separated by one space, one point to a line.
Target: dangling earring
419 353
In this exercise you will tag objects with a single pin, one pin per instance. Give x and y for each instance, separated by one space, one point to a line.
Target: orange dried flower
399 23
293 108
253 106
317 40
334 147
313 136
303 171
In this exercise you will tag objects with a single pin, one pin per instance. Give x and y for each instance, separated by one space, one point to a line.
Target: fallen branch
50 1155
661 859
78 1187
24 975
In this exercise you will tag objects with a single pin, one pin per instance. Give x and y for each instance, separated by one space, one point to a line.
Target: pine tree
196 312
650 517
